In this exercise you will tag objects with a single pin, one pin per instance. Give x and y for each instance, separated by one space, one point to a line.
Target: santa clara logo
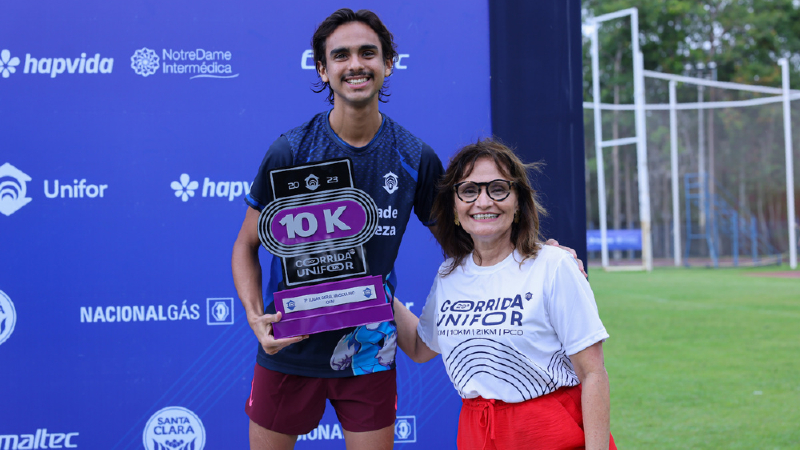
390 182
174 428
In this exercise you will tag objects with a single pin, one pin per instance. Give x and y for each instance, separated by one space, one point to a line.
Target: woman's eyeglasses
497 190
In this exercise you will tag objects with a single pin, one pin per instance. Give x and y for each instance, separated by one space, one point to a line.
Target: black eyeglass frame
480 188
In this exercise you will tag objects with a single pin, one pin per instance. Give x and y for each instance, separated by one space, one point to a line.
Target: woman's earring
516 216
458 224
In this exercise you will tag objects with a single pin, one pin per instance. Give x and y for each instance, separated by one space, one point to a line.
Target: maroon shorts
293 405
552 421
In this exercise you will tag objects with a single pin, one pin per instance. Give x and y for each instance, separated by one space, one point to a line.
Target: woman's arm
595 402
407 337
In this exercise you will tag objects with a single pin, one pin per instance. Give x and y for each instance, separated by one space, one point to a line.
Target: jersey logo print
485 356
390 182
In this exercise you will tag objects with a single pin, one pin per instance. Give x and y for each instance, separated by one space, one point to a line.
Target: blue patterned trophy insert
317 225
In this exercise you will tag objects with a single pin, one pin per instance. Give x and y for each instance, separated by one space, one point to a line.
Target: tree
744 39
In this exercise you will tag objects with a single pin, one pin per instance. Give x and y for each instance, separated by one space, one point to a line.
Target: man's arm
407 337
247 279
595 395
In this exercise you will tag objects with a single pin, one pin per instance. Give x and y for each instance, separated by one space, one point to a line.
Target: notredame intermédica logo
144 62
197 63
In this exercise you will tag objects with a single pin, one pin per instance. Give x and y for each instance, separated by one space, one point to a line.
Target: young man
354 368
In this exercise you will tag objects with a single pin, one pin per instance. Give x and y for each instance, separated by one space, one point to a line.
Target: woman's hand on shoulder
554 243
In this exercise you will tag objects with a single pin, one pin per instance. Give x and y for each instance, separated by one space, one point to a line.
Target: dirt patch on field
783 274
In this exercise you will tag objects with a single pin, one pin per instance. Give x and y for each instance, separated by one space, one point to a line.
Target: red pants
550 422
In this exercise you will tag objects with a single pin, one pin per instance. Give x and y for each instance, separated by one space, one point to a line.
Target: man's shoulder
409 142
312 124
400 130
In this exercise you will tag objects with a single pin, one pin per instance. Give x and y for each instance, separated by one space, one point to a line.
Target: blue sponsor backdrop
617 240
119 320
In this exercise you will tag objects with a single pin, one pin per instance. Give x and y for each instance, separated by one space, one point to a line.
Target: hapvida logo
8 65
185 188
13 189
56 66
174 428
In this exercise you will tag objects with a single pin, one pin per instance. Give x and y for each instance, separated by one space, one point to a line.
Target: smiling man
353 368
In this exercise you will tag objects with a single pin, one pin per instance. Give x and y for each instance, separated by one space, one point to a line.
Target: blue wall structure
114 280
537 104
129 133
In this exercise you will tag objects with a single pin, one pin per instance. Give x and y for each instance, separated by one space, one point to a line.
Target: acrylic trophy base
331 306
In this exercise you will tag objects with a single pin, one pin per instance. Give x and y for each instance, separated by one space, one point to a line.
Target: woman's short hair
457 243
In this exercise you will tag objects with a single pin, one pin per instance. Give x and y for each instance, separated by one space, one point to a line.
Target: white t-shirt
505 331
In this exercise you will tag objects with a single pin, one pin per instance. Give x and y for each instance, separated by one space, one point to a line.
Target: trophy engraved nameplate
317 225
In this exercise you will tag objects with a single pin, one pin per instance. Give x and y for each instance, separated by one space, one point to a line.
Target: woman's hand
554 243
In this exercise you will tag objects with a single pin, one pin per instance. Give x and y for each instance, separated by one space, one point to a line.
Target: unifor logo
8 65
8 317
405 429
144 62
185 188
13 189
219 311
174 428
312 182
390 182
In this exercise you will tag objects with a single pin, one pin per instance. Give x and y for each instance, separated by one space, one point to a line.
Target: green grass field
702 359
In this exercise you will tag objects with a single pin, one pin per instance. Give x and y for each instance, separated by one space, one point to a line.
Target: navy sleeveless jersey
399 172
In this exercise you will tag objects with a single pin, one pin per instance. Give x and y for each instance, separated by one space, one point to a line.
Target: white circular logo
174 428
8 317
144 62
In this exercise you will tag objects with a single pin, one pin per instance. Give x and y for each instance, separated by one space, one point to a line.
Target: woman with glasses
514 320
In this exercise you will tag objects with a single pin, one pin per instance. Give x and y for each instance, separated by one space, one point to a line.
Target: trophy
317 225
